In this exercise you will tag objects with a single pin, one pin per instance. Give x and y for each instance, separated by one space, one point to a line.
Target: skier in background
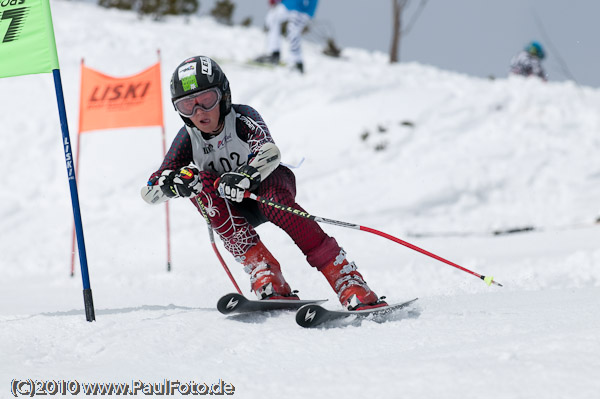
297 13
528 62
231 144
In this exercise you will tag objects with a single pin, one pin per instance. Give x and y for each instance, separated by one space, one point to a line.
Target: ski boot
299 66
266 280
353 292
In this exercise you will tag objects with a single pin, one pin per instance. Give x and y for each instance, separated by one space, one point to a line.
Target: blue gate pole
87 290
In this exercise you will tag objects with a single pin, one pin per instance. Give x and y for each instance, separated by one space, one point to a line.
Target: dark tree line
223 12
156 8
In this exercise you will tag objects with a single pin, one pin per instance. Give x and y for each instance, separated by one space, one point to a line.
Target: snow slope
440 159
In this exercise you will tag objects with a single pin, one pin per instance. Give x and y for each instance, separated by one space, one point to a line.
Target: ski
153 194
313 315
268 65
237 303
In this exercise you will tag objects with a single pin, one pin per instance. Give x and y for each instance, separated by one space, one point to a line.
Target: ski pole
488 280
214 245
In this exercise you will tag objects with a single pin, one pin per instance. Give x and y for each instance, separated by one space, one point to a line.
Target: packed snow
448 162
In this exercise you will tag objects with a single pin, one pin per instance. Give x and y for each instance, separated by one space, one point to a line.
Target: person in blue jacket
297 13
528 62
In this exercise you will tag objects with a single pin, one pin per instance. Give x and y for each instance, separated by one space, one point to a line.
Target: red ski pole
214 245
488 280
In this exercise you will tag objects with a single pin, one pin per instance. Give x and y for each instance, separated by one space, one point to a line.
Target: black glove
183 183
233 185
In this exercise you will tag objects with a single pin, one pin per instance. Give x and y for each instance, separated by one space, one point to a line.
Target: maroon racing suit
235 222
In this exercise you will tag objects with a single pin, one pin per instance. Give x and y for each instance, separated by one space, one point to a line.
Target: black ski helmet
197 74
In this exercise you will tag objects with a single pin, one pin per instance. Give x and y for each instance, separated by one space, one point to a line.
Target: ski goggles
206 100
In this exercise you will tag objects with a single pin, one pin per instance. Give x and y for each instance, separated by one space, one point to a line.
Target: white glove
233 185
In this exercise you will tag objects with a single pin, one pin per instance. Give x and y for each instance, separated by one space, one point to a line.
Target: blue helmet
535 49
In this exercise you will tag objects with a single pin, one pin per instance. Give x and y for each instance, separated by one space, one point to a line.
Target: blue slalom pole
87 290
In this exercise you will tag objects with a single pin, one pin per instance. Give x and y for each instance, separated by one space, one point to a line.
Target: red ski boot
266 280
353 292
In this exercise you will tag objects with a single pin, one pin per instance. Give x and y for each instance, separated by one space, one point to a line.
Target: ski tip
229 303
313 315
309 315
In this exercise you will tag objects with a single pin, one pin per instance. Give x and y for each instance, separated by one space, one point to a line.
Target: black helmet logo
206 68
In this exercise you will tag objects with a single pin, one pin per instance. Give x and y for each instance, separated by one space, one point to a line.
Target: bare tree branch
398 7
416 16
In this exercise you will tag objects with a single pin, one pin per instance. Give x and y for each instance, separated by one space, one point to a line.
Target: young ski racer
231 144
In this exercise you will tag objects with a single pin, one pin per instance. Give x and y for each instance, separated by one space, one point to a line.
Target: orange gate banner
109 103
